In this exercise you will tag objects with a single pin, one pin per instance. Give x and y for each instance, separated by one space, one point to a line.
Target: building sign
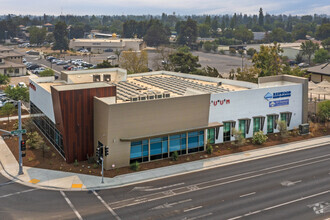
220 102
277 95
278 103
32 86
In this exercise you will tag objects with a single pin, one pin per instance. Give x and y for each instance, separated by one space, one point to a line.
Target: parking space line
106 205
249 194
71 205
191 209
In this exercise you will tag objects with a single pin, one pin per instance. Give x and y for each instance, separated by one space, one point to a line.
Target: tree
204 30
251 51
37 35
134 62
261 17
323 31
46 72
184 62
50 38
279 35
156 35
248 74
60 35
207 46
4 79
8 109
308 49
326 44
321 56
187 32
243 34
18 93
268 60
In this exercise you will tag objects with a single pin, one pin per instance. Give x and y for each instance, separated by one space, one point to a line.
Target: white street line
71 205
106 205
198 217
194 208
299 181
17 193
282 204
249 194
170 193
7 183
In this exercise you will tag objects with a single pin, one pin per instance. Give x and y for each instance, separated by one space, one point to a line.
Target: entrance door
270 124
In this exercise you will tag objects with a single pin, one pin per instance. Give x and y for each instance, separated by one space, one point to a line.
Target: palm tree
309 48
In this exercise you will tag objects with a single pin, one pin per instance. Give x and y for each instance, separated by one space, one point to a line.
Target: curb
16 179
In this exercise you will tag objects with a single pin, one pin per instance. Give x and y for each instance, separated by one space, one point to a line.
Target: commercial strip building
147 116
100 45
11 63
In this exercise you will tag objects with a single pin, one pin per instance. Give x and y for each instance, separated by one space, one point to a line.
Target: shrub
222 52
209 149
232 51
76 163
239 138
174 156
282 127
259 138
46 72
95 166
90 160
135 166
324 111
34 140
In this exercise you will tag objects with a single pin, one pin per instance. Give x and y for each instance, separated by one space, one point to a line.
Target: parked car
33 67
108 50
54 61
61 62
66 66
38 70
2 103
303 65
50 58
21 84
112 57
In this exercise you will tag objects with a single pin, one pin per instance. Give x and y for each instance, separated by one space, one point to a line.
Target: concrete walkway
49 179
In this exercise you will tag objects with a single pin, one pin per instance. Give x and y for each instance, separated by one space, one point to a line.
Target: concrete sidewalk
57 180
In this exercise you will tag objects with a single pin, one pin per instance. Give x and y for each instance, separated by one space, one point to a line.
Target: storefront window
226 131
270 124
211 135
242 127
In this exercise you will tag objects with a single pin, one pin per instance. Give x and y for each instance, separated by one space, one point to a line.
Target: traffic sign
17 132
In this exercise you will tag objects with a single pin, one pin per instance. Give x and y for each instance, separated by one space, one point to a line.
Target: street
294 185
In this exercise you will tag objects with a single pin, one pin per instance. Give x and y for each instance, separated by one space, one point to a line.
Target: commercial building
148 116
100 45
320 73
11 63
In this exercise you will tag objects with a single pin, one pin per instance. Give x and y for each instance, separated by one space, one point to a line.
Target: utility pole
20 161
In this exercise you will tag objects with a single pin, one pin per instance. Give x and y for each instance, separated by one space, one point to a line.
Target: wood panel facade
74 111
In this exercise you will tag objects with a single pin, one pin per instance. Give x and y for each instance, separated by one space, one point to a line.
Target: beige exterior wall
319 78
113 122
21 71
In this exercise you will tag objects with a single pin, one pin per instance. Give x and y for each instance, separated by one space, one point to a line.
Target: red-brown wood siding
73 111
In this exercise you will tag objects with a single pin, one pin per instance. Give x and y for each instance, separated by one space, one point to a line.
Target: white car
38 70
21 84
112 57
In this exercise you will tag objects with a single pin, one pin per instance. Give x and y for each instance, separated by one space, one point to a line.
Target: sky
156 7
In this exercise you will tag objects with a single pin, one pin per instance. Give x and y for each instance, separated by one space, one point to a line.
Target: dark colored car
33 67
66 67
108 50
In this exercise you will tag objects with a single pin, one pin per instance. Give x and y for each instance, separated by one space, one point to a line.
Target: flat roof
117 40
65 87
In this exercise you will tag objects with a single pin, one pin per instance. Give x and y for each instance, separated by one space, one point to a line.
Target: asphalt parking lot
223 63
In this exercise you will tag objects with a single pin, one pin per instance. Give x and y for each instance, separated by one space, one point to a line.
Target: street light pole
20 161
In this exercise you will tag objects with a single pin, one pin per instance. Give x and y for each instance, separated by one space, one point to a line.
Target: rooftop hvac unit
219 83
158 95
134 98
151 96
106 77
166 95
304 128
143 97
96 78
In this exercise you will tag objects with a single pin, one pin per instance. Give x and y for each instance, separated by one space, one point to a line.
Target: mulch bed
54 161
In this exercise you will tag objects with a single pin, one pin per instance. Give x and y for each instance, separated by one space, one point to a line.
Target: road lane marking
150 189
191 209
281 204
198 217
106 205
17 193
170 205
71 205
249 194
186 189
